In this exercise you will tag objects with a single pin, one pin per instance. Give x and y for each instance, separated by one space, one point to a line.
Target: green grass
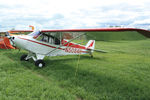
108 36
123 73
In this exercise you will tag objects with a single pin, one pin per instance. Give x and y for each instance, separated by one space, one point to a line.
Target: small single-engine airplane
53 43
41 44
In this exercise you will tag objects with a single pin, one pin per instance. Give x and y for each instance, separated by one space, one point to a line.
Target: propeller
11 38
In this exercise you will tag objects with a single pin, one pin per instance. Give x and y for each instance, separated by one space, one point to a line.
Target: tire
39 63
22 58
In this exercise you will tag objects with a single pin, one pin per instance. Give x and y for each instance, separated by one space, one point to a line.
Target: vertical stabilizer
90 44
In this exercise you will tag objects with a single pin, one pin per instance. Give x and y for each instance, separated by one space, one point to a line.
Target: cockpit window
49 38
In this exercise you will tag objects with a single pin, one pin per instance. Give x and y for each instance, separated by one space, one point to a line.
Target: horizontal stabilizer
100 51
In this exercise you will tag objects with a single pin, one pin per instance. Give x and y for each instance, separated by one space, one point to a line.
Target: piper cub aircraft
41 44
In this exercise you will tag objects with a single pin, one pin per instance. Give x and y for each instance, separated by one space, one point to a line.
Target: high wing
142 31
60 31
60 42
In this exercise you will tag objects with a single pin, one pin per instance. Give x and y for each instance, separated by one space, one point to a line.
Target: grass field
123 73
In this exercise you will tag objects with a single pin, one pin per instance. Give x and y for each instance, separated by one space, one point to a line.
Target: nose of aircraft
12 39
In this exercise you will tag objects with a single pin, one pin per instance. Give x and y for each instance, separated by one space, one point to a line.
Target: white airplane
41 44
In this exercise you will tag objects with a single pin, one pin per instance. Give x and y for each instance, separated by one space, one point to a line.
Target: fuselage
39 47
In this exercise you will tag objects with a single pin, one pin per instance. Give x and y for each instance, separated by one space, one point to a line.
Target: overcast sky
72 14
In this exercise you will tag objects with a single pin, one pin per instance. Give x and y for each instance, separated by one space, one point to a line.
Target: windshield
35 34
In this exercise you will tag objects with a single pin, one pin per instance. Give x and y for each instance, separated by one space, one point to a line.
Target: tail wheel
23 58
91 56
39 63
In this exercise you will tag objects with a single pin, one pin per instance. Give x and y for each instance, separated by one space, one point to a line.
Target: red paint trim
89 30
95 30
50 45
40 43
91 44
86 30
72 45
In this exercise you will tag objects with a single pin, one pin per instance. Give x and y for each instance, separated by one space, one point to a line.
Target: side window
49 39
45 38
40 37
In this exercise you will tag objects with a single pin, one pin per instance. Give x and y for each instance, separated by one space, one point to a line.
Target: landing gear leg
38 58
91 54
24 58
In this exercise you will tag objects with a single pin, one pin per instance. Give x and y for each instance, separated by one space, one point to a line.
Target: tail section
90 45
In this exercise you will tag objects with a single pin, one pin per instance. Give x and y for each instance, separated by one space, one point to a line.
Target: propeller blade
11 38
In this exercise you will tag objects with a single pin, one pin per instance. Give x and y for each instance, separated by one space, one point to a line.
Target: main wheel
39 63
23 58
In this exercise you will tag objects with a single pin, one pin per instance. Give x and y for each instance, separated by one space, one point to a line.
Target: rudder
90 44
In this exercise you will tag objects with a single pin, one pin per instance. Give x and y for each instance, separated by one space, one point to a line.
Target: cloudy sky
72 14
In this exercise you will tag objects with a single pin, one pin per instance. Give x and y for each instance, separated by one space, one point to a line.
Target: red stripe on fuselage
72 45
40 43
76 46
